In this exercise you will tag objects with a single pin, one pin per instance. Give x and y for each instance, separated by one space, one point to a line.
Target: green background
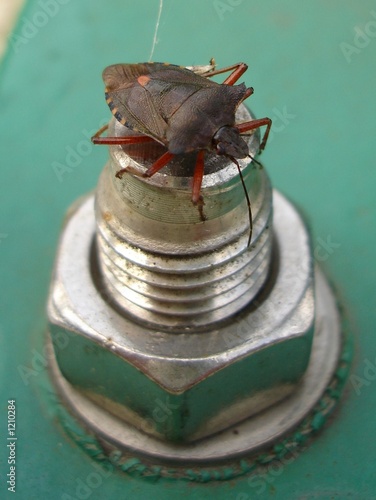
313 67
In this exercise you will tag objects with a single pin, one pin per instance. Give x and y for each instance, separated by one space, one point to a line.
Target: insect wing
170 87
130 102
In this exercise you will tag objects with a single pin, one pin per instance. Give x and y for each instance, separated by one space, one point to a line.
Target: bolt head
182 387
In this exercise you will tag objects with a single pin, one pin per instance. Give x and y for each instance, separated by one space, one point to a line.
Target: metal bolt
176 327
164 266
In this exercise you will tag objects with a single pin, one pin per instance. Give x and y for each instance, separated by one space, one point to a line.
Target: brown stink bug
184 111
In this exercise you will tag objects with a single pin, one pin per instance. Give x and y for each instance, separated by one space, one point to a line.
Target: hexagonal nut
183 387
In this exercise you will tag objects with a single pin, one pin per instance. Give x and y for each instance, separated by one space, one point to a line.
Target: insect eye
221 150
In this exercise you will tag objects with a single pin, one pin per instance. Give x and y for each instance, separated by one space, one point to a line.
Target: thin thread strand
156 30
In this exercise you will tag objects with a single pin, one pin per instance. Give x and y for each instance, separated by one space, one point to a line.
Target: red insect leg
196 183
197 177
113 141
239 69
131 139
153 169
255 124
159 164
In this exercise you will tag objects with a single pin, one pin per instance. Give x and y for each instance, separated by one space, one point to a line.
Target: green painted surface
312 65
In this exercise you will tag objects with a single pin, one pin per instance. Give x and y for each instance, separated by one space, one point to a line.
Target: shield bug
183 110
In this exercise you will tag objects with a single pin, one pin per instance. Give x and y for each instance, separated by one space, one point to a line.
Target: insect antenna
256 161
234 160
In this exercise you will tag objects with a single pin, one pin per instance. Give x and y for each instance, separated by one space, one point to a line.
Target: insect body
184 111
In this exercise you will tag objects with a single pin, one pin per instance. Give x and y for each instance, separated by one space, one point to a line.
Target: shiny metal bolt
177 329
